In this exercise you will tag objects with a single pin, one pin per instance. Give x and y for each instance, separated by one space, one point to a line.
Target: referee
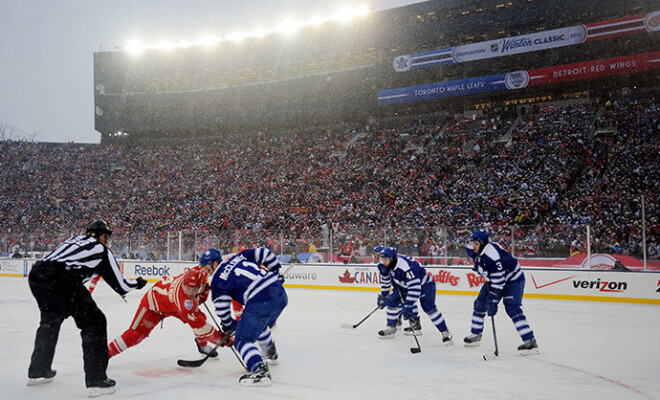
56 282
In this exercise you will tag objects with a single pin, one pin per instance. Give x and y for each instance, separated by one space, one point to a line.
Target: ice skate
472 340
270 354
529 347
207 350
446 338
415 328
388 333
260 377
399 322
40 380
106 386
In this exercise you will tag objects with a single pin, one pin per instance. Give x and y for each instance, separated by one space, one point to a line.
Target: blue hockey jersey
496 266
409 276
242 278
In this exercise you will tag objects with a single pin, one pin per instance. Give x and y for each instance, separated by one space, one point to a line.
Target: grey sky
47 46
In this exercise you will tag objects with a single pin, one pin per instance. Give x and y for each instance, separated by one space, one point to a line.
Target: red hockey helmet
195 278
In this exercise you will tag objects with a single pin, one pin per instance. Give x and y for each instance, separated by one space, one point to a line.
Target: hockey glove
382 300
141 282
407 312
231 327
221 338
204 294
491 305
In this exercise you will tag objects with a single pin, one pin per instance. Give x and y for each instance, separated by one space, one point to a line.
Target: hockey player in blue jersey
410 283
259 289
504 280
385 286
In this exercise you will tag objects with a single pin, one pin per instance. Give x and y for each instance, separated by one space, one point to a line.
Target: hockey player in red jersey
177 297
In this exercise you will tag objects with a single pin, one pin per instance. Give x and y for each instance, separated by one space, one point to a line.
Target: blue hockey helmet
480 235
209 256
378 249
388 252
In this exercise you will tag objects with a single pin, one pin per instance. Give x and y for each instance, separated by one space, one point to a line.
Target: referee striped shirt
79 257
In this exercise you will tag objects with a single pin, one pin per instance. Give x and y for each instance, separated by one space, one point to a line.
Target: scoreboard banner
537 41
525 78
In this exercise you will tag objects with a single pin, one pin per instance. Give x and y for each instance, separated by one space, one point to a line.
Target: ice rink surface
589 350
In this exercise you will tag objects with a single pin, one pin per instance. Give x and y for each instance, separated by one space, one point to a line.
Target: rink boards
545 283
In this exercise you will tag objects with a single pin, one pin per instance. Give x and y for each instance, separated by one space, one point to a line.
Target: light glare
286 28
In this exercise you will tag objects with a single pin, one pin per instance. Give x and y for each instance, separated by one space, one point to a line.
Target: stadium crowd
539 178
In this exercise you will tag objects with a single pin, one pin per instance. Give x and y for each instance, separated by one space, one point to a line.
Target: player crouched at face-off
242 278
177 297
504 280
410 282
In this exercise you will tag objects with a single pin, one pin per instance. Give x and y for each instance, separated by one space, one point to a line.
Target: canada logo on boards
346 278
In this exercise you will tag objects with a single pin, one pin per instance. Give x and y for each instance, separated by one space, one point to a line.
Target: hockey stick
286 271
238 357
488 357
417 349
200 362
349 326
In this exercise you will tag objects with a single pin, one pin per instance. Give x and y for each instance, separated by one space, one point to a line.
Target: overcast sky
47 46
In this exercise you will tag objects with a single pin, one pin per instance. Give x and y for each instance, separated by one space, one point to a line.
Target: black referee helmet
96 228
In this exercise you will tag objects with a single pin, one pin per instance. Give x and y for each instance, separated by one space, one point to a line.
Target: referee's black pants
59 298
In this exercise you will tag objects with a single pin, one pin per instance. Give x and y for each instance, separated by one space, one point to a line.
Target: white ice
588 351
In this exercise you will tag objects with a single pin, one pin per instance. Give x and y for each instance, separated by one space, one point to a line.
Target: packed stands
540 178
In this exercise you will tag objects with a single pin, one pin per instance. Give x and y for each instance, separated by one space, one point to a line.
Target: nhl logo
516 80
402 63
494 47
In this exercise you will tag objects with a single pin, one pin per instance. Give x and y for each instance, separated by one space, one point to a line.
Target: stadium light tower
208 41
135 47
236 37
259 33
165 45
286 28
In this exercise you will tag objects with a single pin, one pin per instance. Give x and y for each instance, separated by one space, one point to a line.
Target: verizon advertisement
589 285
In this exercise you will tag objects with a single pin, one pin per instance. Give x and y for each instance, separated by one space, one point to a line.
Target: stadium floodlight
208 41
344 15
135 47
362 11
165 46
288 27
316 21
183 44
259 33
236 37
